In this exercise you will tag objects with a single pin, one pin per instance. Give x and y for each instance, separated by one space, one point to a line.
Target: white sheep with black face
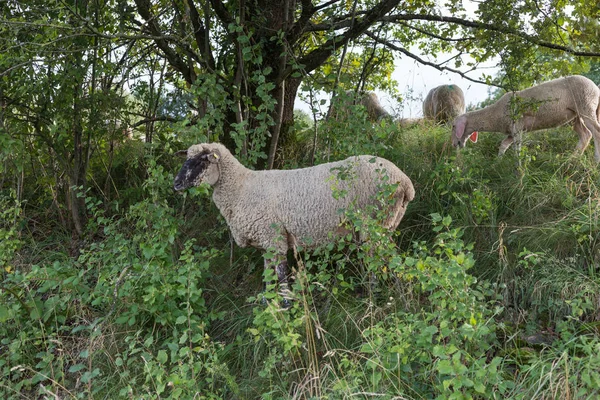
279 209
554 103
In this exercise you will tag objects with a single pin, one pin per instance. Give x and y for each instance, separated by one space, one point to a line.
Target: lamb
280 209
368 100
444 103
550 104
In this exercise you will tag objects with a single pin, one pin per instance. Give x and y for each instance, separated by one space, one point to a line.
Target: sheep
280 209
406 123
550 104
444 103
368 100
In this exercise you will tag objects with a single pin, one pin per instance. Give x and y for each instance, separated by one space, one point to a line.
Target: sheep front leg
281 269
505 145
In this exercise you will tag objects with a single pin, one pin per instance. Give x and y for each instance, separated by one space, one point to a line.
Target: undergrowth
489 288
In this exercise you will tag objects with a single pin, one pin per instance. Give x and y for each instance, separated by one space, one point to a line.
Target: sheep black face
194 169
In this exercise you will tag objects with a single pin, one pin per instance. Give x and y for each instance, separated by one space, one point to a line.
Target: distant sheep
279 209
444 103
409 122
547 105
368 100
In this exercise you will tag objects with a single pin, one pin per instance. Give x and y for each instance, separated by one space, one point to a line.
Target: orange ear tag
473 137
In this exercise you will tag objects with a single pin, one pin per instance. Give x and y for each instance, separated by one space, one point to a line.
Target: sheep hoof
286 304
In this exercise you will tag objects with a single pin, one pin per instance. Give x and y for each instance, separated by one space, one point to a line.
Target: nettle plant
463 191
10 212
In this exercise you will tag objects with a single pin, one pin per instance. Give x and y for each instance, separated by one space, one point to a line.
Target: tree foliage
258 48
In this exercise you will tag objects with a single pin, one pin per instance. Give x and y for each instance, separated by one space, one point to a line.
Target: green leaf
76 368
181 319
445 367
479 387
161 357
4 314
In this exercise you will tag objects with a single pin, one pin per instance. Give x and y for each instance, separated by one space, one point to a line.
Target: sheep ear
214 156
181 153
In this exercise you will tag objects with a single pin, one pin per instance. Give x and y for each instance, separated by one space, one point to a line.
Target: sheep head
460 132
199 167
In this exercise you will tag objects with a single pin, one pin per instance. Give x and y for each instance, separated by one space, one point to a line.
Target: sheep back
375 111
551 103
444 103
281 208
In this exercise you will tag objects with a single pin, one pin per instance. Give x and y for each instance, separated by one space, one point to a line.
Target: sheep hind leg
593 125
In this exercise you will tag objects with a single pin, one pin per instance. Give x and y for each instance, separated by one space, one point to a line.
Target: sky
416 80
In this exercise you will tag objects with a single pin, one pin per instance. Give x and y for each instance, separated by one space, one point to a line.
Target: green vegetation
490 288
113 286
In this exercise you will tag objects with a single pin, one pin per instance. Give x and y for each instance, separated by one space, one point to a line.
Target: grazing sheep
547 105
368 100
444 103
279 209
409 122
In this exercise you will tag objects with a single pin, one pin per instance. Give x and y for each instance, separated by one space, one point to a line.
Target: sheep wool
369 100
280 208
550 104
444 103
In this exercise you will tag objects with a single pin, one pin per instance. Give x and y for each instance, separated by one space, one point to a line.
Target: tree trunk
287 117
77 72
78 168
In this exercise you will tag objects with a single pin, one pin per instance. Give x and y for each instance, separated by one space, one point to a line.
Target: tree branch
318 56
435 36
164 118
487 27
200 33
174 59
325 5
222 12
346 22
425 62
299 27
